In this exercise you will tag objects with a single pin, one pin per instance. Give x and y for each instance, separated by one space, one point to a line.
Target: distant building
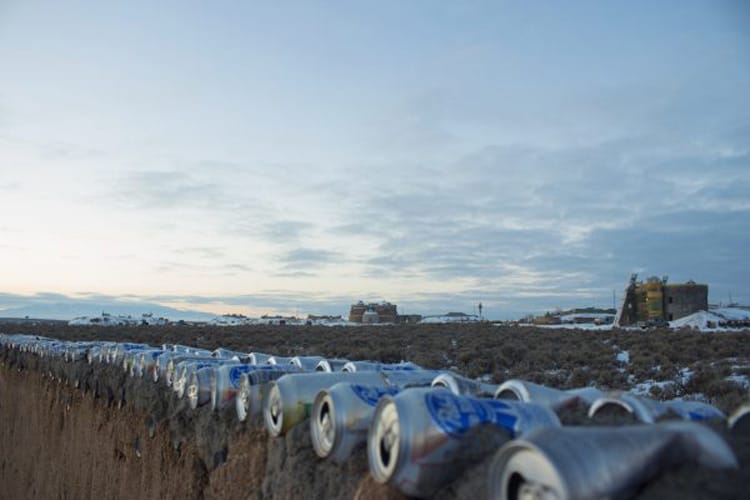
383 312
655 301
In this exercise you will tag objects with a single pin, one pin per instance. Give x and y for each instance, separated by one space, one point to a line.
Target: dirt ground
117 437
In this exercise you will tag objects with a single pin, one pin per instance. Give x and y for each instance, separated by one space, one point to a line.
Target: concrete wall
682 300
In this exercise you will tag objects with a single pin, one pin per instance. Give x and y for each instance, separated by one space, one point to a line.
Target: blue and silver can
253 387
331 365
464 386
341 417
590 463
521 390
422 439
648 411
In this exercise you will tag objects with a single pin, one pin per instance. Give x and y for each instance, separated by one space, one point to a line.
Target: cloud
285 231
564 222
168 189
307 259
7 187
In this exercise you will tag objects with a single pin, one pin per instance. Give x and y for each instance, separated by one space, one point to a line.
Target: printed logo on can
372 394
235 373
455 414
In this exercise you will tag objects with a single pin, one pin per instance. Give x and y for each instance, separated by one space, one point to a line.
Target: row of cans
421 435
423 428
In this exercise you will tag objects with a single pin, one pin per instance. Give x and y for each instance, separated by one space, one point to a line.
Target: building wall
681 300
655 300
386 312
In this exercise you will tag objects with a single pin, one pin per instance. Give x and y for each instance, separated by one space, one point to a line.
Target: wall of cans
422 429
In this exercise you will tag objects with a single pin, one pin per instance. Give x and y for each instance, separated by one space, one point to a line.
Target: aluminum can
306 363
225 382
184 370
464 386
373 366
169 373
258 358
278 360
331 365
556 399
103 352
587 463
198 390
739 420
118 351
253 388
222 353
341 416
289 399
422 439
131 361
648 411
148 361
189 350
79 350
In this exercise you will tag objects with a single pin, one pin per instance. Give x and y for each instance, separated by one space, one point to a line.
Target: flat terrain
117 437
685 363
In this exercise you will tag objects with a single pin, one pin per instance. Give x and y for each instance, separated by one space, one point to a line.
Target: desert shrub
579 377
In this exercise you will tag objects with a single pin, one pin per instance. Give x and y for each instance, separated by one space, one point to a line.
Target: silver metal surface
185 369
739 420
556 399
307 363
421 439
198 391
226 381
253 388
341 416
371 366
278 360
648 411
258 358
289 399
331 365
584 463
171 366
464 386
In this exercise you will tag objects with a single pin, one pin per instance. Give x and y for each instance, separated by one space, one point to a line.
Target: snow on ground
644 388
732 313
109 320
712 320
451 318
572 326
238 320
623 357
742 380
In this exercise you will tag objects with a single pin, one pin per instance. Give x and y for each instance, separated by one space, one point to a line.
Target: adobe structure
656 301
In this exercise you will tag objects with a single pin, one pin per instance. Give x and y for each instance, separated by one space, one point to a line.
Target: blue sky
298 156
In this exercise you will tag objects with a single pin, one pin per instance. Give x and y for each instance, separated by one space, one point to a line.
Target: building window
670 317
670 300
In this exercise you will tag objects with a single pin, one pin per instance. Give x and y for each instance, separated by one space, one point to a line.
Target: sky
295 157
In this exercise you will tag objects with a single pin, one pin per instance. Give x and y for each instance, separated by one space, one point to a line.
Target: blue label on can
396 368
236 372
371 394
455 414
